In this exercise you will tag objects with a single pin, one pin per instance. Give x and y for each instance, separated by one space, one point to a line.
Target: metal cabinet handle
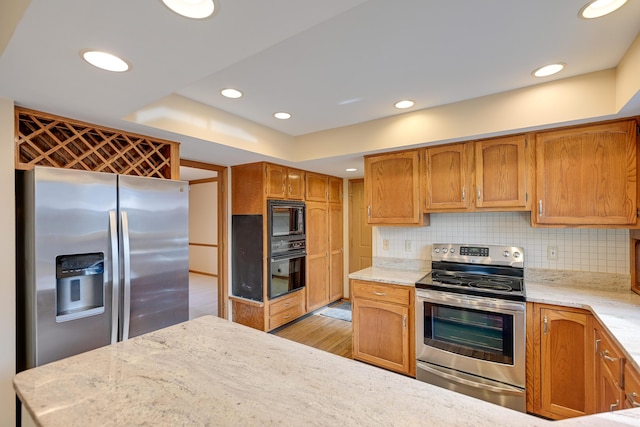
546 325
286 304
404 321
540 207
478 194
598 345
463 194
632 399
614 405
380 294
605 355
287 316
369 211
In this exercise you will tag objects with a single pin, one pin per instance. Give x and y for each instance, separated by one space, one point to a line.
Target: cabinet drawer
382 292
611 357
285 316
285 303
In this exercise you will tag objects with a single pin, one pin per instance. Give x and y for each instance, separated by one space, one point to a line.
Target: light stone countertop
394 276
210 372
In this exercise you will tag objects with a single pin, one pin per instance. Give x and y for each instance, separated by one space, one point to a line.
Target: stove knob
452 250
506 254
445 250
437 250
516 254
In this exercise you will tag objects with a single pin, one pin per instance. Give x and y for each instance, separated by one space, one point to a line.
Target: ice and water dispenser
79 286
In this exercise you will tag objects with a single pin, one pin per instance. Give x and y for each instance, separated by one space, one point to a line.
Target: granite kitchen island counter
213 372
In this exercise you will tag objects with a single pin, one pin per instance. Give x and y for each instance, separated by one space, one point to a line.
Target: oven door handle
504 389
468 301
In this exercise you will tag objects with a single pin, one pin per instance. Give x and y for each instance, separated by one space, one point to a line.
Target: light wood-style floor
203 295
322 332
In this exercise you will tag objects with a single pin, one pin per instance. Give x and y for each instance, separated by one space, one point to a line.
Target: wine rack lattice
47 140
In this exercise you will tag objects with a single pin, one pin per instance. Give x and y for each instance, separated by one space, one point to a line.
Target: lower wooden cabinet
383 325
562 362
574 366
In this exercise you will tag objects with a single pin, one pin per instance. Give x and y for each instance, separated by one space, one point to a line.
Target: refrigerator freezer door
156 280
67 217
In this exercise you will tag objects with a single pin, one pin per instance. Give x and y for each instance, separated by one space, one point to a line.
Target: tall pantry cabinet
252 185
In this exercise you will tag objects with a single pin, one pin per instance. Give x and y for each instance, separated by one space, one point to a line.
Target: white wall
7 264
203 227
595 250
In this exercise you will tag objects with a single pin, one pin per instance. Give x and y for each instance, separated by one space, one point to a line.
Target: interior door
154 223
359 230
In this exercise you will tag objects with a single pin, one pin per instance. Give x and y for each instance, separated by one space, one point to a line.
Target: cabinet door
392 188
446 185
276 179
336 267
587 175
609 375
317 187
567 364
295 184
335 190
317 255
500 172
381 334
631 387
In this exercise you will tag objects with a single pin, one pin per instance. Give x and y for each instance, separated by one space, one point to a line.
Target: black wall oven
287 247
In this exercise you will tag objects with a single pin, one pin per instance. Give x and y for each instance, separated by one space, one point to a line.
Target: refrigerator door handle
115 275
126 255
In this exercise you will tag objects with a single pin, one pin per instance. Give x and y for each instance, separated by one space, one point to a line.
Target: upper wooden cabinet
501 172
317 187
284 183
446 178
587 175
335 190
392 188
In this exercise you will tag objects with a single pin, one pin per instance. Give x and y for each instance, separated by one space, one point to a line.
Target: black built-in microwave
285 218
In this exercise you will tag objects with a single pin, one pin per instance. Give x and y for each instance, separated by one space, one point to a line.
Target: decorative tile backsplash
595 250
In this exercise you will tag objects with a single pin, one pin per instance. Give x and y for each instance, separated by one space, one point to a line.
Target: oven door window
287 275
478 334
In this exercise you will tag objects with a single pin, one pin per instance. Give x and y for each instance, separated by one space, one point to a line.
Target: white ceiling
330 63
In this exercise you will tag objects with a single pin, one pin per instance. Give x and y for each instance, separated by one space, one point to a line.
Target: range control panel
479 254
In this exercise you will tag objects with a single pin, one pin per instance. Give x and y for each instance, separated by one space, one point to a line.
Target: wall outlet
408 247
552 253
385 245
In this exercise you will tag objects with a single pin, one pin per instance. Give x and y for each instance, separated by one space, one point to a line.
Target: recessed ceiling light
282 116
196 9
231 93
548 70
404 104
106 61
351 169
598 8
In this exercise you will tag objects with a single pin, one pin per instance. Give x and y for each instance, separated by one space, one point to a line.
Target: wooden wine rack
47 140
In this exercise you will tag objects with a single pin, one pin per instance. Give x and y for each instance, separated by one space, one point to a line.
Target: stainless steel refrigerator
104 258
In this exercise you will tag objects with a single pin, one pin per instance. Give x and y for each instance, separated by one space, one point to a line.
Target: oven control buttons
506 254
445 250
437 250
516 254
452 250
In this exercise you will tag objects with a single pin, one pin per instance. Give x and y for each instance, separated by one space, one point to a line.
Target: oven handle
288 255
504 389
468 301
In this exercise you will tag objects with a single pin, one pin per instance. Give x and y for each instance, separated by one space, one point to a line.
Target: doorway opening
207 237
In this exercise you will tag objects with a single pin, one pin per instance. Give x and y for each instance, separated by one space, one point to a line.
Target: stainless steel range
470 322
